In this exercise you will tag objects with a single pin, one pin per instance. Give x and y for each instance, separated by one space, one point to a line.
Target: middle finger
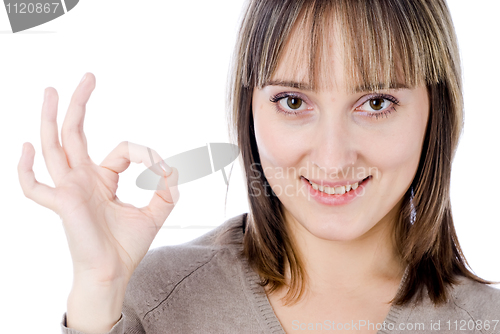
72 135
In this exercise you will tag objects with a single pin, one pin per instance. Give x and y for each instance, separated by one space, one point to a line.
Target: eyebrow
358 89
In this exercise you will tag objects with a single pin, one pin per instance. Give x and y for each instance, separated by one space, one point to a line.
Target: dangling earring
413 215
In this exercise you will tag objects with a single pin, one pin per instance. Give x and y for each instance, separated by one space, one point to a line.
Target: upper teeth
338 190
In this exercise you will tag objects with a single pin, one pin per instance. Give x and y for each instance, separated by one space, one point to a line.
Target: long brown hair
385 42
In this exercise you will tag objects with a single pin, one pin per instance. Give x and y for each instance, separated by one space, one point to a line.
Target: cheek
279 145
397 153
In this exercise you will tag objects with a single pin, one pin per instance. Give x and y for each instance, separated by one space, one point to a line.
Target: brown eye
377 104
293 102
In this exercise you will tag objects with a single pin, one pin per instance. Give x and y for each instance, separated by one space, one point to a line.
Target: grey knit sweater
202 287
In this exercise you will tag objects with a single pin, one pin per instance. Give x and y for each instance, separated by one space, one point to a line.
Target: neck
348 268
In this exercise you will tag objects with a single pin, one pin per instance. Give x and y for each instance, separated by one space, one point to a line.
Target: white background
161 69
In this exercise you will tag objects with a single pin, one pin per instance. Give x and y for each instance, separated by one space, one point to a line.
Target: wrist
95 307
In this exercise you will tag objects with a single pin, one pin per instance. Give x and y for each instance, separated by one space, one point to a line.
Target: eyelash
276 98
385 113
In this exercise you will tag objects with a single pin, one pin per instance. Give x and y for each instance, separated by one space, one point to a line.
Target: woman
347 114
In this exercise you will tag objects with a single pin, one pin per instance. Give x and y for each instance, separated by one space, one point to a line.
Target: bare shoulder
481 301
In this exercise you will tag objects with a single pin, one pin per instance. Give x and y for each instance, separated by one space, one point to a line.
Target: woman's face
338 138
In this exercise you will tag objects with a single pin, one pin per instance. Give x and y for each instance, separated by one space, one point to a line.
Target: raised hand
107 238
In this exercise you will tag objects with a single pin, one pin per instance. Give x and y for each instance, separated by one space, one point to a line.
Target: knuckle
76 129
123 143
163 199
26 192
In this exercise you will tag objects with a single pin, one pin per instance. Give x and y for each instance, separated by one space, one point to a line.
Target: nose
333 149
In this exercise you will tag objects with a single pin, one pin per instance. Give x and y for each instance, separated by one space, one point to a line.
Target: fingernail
22 152
83 79
165 167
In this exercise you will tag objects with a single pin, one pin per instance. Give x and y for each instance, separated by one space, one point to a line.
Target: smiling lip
333 200
334 184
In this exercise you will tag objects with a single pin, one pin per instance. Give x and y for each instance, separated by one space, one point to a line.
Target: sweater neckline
269 320
265 312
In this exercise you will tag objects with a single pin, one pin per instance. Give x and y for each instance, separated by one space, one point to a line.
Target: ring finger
55 158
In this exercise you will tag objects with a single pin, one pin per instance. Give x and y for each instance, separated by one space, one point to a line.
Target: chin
334 229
